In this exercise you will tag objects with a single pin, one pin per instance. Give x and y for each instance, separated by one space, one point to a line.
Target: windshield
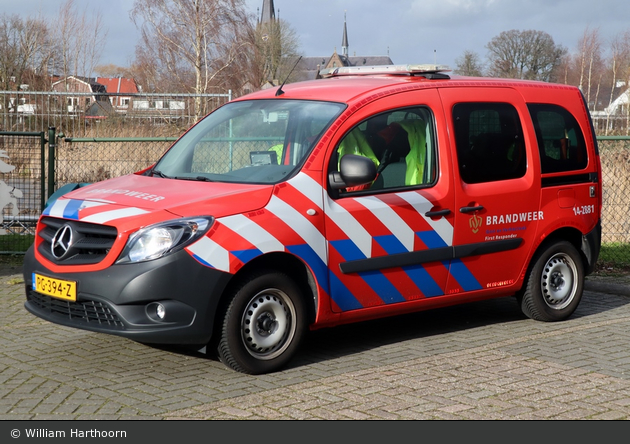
256 141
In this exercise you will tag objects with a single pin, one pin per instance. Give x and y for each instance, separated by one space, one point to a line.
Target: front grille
91 242
88 312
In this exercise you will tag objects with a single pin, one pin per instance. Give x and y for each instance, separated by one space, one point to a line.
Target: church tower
268 12
269 42
344 39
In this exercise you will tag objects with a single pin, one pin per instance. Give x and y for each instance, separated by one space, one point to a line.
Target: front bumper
123 299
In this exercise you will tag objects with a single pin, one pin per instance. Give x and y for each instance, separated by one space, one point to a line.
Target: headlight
157 240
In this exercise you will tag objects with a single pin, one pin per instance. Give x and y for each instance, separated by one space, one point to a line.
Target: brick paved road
479 361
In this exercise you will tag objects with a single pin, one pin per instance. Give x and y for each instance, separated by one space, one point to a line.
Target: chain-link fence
615 160
22 170
84 160
92 149
78 114
27 119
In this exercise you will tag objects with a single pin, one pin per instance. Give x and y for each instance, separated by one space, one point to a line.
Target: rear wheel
554 285
263 324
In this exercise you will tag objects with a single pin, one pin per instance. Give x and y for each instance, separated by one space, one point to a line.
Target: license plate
57 288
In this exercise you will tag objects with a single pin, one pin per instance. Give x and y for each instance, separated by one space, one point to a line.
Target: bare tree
590 63
111 70
469 64
187 44
270 55
619 66
80 41
24 51
277 46
524 55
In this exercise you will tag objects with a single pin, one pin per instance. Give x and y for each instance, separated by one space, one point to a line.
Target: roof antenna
280 92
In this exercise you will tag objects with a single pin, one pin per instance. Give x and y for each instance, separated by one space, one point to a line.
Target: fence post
42 181
51 161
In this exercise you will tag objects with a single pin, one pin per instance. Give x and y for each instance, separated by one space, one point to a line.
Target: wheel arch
576 238
276 261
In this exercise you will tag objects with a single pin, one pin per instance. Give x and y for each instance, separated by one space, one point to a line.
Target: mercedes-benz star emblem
62 242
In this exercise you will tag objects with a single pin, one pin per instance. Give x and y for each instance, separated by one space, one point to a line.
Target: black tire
273 304
554 284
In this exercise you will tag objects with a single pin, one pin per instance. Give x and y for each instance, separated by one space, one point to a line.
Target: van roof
345 85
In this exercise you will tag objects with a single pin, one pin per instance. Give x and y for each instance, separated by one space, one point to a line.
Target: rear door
497 188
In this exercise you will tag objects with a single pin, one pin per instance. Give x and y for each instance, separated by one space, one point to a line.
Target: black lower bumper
123 299
591 245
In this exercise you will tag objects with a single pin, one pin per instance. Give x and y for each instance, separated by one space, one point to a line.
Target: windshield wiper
195 178
159 174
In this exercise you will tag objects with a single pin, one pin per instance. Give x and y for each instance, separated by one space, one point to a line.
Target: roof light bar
383 69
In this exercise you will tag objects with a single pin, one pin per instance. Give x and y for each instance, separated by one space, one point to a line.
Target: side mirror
353 171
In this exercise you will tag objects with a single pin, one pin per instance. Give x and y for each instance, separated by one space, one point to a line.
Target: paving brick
478 362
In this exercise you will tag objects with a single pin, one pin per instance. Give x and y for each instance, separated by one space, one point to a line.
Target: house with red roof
90 92
119 90
110 94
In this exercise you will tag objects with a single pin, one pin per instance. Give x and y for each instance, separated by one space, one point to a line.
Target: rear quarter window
560 139
490 145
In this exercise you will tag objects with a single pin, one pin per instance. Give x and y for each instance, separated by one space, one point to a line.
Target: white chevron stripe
350 226
58 207
441 226
309 188
300 224
252 232
107 216
212 253
388 217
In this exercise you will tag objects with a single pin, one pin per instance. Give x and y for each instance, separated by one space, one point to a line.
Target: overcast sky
409 31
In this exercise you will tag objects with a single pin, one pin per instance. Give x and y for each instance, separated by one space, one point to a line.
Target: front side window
490 145
256 141
401 144
560 139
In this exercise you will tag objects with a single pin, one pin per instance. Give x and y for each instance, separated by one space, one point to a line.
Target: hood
136 194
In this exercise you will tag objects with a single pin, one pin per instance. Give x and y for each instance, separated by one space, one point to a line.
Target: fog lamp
160 311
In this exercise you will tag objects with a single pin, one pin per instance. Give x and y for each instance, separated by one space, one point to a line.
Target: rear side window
560 139
489 140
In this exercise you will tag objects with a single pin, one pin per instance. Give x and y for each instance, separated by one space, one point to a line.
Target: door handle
470 209
437 213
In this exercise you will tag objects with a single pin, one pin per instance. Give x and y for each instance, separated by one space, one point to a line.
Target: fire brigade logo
475 223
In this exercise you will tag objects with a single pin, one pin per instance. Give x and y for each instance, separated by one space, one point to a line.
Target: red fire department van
371 192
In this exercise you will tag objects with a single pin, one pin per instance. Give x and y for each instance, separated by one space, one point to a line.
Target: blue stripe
204 262
347 249
463 276
342 296
431 239
424 281
71 211
382 286
390 244
308 255
375 279
457 269
246 255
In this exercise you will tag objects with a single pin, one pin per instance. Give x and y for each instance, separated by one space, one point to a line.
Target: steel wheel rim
558 281
268 324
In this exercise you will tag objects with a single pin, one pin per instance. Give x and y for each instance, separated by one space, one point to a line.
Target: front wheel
263 324
554 285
